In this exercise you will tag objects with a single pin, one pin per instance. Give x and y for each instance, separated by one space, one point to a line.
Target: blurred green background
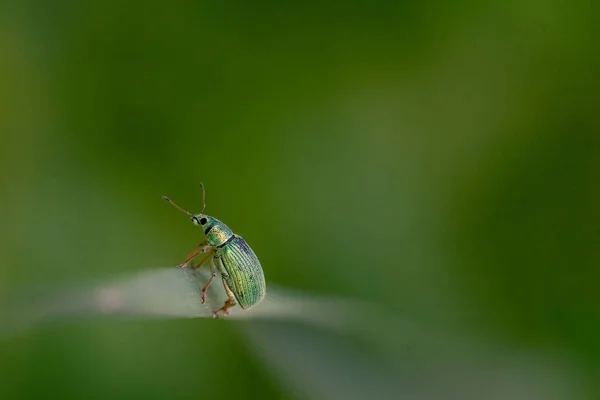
439 160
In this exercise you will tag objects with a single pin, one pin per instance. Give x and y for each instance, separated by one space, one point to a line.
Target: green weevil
240 270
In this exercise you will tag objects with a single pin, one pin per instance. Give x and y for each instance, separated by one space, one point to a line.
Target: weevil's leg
193 254
205 288
209 255
189 258
230 302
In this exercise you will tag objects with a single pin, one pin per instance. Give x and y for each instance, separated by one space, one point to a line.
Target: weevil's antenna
165 198
203 198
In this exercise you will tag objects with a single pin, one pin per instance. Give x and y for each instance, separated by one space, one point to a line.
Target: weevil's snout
199 219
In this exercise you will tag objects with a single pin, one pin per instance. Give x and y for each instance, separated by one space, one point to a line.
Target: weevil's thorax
216 232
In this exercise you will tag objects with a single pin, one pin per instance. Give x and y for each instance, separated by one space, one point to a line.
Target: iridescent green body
240 269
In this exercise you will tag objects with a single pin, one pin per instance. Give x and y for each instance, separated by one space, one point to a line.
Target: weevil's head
216 232
201 219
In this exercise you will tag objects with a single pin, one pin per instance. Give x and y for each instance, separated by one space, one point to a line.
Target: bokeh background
437 160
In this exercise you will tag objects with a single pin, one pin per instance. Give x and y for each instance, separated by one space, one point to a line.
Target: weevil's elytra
244 275
240 269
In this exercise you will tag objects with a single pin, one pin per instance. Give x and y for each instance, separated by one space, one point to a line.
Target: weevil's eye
195 221
202 221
